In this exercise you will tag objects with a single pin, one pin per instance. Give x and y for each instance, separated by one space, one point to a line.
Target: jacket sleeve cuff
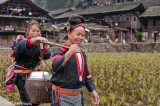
29 44
45 50
89 85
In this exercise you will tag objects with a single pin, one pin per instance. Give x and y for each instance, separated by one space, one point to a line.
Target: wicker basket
39 91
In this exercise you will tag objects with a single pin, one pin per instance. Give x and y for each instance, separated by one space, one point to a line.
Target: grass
120 78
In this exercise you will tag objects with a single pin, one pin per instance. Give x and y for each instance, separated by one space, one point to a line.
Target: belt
22 71
62 91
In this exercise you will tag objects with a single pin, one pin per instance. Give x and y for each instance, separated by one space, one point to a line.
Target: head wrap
70 28
33 22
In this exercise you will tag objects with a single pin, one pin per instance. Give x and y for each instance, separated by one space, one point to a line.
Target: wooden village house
14 15
122 19
151 24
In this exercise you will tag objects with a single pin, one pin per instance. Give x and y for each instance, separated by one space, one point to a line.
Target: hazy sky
2 1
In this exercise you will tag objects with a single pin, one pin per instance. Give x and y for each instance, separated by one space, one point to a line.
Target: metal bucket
38 87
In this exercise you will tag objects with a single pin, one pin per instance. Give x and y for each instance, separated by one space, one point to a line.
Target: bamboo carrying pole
54 44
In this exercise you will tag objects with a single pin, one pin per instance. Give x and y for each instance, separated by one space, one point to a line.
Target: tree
139 36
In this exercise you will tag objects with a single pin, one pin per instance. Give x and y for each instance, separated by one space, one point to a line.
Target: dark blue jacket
28 56
66 76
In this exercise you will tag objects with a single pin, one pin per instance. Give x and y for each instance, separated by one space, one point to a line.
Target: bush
139 36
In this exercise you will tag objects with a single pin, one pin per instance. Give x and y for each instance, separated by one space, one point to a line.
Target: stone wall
106 47
140 47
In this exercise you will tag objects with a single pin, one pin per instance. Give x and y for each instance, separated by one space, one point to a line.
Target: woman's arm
91 88
60 59
72 50
47 53
37 39
95 97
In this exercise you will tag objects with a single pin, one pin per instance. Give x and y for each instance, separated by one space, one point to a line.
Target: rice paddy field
121 79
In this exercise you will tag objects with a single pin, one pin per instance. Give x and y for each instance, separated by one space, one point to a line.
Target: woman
27 57
70 71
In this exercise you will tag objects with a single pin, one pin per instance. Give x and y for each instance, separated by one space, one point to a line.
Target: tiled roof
152 11
29 2
103 9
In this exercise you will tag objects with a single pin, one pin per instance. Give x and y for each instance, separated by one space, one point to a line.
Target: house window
127 18
7 23
154 22
134 18
120 18
110 19
106 19
4 36
124 17
16 23
130 0
118 1
113 18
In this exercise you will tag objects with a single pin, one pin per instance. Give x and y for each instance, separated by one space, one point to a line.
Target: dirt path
4 102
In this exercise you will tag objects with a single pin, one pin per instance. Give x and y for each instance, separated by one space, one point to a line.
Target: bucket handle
41 57
41 45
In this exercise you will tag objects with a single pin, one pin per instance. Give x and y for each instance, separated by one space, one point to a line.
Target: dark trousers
22 91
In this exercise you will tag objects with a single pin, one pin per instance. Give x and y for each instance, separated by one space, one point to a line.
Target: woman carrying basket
70 71
27 58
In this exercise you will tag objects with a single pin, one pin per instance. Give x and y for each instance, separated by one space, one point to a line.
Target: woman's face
76 36
34 31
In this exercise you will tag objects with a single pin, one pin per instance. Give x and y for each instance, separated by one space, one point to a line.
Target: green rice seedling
158 102
112 98
119 78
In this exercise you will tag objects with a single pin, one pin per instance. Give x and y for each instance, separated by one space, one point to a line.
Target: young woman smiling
27 58
70 71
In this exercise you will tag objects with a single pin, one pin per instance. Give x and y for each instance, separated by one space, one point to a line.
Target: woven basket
39 91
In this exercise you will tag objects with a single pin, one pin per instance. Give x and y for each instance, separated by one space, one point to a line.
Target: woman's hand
74 49
95 97
37 39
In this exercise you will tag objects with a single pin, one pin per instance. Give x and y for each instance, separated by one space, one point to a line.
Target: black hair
74 20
